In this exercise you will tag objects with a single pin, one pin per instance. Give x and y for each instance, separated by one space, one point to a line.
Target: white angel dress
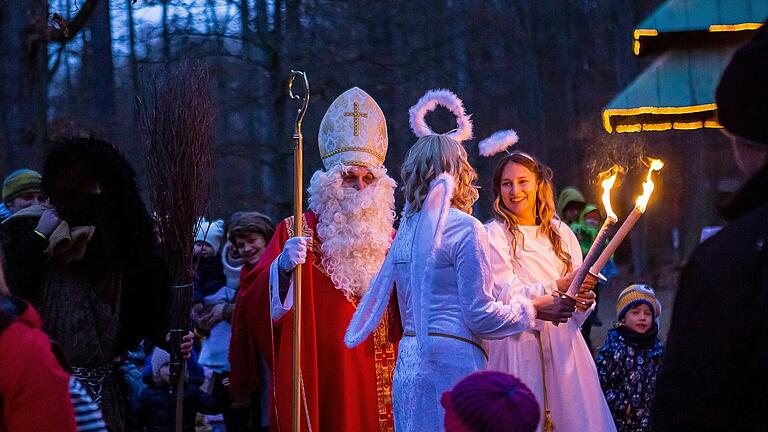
573 394
440 267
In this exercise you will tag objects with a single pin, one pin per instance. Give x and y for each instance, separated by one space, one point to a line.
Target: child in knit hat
630 358
490 401
209 276
156 410
21 189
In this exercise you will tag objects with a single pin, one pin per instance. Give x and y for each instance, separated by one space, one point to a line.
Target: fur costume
103 301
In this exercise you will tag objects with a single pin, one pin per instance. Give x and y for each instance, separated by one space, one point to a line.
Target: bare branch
68 30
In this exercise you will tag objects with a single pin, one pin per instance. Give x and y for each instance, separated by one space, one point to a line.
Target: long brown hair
545 206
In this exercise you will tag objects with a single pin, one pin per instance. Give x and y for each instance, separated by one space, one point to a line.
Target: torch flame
642 200
607 185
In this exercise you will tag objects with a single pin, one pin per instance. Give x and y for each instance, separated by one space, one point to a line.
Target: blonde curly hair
431 156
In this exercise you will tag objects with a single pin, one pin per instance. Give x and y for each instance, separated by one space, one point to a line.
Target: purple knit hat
490 401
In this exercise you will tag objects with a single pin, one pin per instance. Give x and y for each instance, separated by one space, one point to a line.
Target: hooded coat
715 371
569 194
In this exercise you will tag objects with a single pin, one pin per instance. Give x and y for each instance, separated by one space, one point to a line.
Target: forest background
544 68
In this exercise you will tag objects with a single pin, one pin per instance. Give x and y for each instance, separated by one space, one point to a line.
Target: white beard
354 228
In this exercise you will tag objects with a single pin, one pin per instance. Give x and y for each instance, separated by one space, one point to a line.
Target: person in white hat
347 232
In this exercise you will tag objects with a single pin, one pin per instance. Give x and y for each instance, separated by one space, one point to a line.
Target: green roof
695 40
675 21
699 15
676 92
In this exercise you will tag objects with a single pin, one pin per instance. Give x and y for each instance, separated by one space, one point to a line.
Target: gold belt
450 336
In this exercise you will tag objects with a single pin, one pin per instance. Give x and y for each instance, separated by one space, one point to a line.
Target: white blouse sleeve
483 315
506 283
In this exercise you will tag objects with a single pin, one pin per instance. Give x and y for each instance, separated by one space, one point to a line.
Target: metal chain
93 379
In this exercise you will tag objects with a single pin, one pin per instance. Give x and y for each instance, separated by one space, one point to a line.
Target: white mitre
353 131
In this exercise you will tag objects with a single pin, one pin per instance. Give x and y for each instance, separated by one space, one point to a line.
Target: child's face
639 318
592 219
204 249
233 255
572 210
165 373
250 246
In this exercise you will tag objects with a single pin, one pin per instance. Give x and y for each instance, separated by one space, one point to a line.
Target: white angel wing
427 238
373 304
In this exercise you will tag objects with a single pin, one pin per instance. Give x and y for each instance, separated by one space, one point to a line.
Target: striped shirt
87 414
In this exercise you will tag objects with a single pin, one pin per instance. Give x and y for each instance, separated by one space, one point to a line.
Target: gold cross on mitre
356 114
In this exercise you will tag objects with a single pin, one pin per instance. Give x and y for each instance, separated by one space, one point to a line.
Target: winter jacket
585 233
157 406
32 382
87 413
627 365
715 372
4 212
209 277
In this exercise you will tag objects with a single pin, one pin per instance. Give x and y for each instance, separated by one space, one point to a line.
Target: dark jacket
715 372
627 365
209 277
157 406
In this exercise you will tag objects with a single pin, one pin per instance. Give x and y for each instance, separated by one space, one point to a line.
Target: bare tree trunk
101 70
23 81
251 185
131 147
166 33
286 29
68 84
132 58
265 115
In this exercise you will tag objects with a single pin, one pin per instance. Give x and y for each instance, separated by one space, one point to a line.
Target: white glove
294 253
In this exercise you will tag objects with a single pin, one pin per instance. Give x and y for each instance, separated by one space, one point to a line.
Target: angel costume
440 265
570 390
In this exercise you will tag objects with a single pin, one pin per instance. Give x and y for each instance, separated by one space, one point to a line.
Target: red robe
345 389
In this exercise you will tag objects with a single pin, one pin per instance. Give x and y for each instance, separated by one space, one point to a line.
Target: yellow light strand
629 128
657 126
734 27
688 125
645 32
642 33
608 113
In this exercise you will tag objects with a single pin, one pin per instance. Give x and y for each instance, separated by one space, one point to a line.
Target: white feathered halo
450 101
498 142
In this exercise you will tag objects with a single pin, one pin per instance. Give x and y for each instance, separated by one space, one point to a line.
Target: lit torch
602 235
640 204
